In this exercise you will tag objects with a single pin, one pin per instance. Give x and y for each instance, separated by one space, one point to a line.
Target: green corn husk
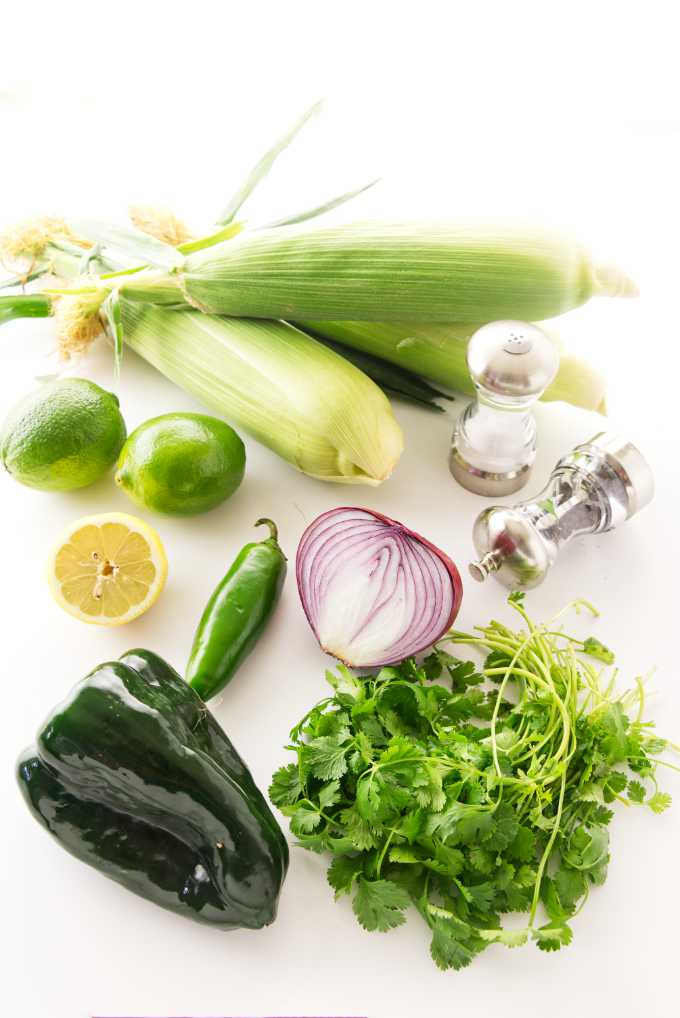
393 380
438 352
386 272
288 391
24 305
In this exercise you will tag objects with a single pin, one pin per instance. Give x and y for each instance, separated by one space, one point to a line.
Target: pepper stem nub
273 529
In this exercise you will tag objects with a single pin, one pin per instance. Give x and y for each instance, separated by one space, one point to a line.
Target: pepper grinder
494 443
594 488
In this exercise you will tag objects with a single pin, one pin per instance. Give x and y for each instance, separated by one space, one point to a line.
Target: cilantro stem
546 854
641 695
381 857
663 763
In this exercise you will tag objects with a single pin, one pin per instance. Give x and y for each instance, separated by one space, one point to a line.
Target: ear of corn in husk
386 272
438 352
288 391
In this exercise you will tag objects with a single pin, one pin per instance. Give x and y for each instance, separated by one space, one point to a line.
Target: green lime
181 464
62 436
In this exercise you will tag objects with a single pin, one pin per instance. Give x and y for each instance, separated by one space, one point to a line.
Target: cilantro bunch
471 793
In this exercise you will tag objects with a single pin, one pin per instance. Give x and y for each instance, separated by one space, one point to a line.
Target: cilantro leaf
329 794
614 724
570 886
562 892
379 904
305 819
404 855
433 665
659 802
286 787
325 755
504 828
523 846
463 674
636 791
511 938
345 684
447 949
588 848
552 936
593 648
614 783
462 824
481 859
342 873
600 815
480 896
373 731
445 860
369 801
359 831
411 825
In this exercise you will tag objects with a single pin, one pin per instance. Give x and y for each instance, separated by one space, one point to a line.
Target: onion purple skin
303 568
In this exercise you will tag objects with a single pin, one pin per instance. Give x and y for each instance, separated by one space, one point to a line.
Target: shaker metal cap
510 358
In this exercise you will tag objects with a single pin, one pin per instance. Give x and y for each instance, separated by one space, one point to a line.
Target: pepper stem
273 529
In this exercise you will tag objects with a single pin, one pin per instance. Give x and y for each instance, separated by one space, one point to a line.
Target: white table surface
479 113
83 945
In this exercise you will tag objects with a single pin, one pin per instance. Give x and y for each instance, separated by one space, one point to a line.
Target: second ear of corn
288 391
402 272
438 352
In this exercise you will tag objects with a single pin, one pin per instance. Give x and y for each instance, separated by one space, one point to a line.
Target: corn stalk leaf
8 284
88 257
24 305
226 233
114 320
262 168
61 244
319 210
135 243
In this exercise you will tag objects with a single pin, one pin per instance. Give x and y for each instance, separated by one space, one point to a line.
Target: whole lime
181 464
62 436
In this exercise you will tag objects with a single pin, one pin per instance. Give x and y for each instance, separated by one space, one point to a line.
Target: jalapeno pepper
236 614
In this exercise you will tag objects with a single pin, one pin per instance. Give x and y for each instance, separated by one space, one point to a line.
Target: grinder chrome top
594 488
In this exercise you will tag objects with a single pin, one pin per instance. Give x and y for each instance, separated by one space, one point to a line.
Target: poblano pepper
134 776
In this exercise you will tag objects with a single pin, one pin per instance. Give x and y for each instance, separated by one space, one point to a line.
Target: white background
561 111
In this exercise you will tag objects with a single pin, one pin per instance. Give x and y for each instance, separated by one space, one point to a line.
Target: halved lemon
107 569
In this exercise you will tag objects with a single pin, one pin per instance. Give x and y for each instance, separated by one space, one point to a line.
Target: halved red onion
373 591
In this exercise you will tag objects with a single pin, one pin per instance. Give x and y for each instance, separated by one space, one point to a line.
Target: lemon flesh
107 569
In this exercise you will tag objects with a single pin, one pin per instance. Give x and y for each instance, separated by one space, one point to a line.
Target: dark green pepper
236 614
134 776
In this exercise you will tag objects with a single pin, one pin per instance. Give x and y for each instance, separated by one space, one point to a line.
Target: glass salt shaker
594 488
494 443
